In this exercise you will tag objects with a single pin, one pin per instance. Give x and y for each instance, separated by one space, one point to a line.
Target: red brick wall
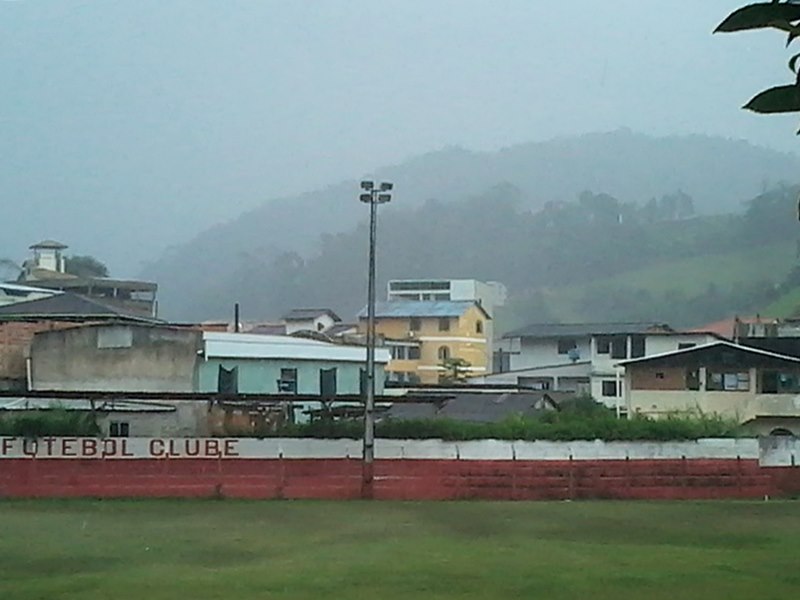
15 343
397 479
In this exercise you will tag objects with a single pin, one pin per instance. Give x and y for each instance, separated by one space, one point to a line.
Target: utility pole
374 196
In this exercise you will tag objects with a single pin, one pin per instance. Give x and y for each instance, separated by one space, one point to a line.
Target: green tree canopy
85 266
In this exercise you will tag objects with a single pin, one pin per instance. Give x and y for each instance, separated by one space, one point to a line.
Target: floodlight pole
374 196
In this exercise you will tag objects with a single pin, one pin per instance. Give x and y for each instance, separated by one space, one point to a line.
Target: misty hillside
203 278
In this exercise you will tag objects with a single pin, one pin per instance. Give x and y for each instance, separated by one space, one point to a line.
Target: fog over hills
719 174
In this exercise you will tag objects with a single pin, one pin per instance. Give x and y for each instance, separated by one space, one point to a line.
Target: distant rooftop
65 306
547 330
305 314
425 308
49 244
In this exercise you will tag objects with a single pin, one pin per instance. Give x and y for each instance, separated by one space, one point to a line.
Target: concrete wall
15 343
407 470
116 358
188 419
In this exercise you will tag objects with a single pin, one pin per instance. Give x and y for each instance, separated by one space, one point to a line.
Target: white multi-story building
489 294
584 357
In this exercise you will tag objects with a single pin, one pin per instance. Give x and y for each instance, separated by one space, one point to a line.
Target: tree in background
85 266
456 370
10 270
783 16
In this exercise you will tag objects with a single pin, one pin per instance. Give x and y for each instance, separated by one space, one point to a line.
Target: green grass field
242 550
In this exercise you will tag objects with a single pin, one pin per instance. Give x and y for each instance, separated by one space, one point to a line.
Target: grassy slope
207 549
691 276
787 305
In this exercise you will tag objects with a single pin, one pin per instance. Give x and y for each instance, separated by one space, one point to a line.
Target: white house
319 320
582 357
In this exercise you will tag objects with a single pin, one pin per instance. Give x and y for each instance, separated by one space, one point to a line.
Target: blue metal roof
425 308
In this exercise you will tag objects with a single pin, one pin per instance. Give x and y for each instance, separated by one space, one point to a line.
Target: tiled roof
409 308
546 330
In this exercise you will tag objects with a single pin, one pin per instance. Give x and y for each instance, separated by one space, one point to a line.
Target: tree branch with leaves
783 16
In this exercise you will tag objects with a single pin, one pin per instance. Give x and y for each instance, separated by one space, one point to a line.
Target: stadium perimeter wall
404 469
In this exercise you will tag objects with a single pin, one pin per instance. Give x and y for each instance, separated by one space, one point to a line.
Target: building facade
424 335
757 388
47 269
582 358
158 358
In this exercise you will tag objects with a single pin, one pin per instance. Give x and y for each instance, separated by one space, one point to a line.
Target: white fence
770 451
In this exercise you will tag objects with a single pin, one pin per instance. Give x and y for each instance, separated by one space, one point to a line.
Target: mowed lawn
241 550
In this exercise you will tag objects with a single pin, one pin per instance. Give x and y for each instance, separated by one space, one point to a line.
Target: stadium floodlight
367 468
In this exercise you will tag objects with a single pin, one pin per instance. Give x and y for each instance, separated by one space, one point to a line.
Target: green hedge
55 422
553 426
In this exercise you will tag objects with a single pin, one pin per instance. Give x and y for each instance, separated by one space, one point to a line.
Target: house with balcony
757 388
582 357
423 335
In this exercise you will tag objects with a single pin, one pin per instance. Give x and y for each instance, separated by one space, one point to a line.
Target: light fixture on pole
374 196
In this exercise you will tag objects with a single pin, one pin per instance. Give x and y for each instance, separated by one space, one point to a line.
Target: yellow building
423 335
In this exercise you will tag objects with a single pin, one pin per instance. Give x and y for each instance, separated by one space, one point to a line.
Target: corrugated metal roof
243 345
66 305
478 407
702 347
545 330
39 403
425 308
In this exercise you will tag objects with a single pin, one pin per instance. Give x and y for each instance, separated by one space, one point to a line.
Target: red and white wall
404 469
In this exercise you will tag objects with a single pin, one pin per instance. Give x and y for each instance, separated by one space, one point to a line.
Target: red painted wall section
397 479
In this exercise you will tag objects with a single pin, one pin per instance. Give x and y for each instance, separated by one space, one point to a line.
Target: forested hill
263 258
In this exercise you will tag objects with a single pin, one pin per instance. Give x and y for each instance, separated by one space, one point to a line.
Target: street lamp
374 196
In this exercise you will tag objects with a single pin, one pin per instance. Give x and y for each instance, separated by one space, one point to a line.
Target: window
287 384
444 324
327 382
610 389
413 353
637 346
728 381
114 337
659 375
443 353
619 347
228 380
118 429
603 344
566 344
398 352
415 324
478 326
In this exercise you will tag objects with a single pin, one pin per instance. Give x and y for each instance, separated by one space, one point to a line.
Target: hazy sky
184 112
